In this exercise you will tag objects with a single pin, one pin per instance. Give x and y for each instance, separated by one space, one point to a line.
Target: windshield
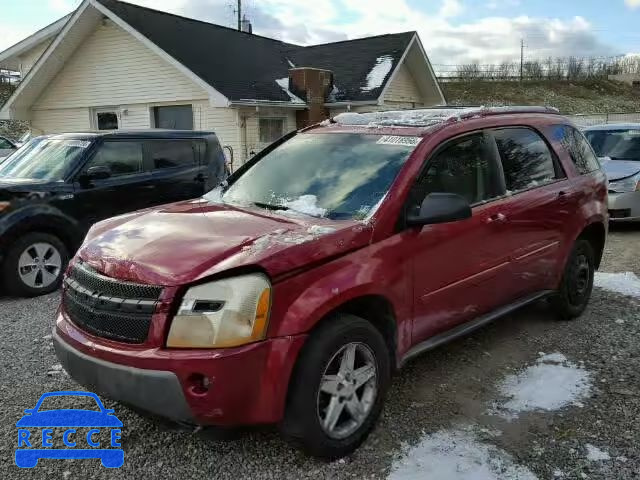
43 159
338 176
616 144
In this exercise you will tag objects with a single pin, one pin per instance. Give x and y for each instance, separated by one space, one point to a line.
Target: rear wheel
34 265
338 388
577 282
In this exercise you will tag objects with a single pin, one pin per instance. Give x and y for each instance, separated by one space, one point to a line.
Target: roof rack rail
427 117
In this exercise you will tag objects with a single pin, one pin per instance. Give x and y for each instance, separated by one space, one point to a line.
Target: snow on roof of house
429 116
247 64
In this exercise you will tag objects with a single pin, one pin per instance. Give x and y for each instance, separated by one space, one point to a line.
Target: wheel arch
596 234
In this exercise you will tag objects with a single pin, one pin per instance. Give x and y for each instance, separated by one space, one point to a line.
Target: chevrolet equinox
291 293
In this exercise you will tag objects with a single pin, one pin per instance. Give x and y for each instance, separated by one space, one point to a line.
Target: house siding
29 58
252 119
112 68
60 121
403 88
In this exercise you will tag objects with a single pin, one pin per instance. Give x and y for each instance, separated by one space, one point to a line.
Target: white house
113 65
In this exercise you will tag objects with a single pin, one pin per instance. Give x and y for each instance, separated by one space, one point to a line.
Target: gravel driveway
466 409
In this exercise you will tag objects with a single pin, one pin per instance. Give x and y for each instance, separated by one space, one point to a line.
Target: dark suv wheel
577 281
338 387
34 265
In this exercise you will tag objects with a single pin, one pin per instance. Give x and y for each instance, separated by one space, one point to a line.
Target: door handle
201 177
496 218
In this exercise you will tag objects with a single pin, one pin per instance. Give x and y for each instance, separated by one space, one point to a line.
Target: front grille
107 307
621 213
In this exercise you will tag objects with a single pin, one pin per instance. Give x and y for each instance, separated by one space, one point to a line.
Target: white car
618 146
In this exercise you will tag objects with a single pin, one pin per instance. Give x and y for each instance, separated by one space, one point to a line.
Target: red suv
292 293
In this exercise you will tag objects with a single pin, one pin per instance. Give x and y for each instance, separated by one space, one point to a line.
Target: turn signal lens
4 205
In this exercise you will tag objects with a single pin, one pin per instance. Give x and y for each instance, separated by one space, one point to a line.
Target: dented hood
188 241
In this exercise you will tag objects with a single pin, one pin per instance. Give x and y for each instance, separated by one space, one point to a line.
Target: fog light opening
198 384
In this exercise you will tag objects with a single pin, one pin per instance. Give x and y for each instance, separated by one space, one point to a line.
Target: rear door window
579 149
172 154
466 167
527 161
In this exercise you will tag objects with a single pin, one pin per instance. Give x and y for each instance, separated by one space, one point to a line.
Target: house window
107 120
271 129
174 117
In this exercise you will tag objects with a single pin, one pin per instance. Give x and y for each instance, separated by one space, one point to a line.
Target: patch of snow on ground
626 283
307 204
379 72
551 384
283 83
594 454
457 455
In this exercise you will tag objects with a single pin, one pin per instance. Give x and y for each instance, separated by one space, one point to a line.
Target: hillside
587 96
10 129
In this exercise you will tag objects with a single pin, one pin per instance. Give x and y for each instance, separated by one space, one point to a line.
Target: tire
576 286
30 247
322 358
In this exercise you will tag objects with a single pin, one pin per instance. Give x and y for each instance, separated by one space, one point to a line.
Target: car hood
69 418
188 241
17 188
618 169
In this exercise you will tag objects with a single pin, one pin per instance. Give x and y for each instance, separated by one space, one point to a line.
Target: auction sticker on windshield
85 429
399 140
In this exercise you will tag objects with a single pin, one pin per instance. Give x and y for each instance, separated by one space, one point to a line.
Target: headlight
221 314
630 184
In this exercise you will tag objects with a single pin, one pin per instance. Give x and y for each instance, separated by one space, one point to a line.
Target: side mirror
440 208
99 172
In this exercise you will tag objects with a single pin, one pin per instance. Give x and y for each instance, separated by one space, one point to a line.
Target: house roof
233 67
245 66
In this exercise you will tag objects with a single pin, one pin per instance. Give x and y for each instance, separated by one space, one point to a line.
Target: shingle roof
245 66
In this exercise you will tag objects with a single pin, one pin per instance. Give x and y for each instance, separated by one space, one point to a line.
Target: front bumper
247 385
158 392
624 207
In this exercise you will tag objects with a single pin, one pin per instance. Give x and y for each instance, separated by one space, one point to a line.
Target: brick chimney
312 85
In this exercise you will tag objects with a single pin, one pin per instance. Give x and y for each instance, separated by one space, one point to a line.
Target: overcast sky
453 31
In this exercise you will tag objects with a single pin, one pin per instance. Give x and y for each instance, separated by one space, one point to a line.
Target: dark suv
55 187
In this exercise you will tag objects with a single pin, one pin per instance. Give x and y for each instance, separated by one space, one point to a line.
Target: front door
129 185
459 268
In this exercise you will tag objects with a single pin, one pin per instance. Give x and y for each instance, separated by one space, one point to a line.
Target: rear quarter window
578 148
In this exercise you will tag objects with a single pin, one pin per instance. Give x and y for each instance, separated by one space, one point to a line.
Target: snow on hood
619 169
188 241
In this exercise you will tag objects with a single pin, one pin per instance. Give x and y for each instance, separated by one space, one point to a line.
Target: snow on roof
379 72
428 116
283 83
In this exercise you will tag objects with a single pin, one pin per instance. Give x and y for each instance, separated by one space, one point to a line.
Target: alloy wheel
348 390
40 265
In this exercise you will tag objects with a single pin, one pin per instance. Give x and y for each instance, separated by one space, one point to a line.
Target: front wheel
338 388
34 265
577 282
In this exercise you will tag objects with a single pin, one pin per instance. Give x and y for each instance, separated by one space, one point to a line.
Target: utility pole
522 59
239 15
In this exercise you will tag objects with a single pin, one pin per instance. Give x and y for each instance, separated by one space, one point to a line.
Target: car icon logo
83 433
